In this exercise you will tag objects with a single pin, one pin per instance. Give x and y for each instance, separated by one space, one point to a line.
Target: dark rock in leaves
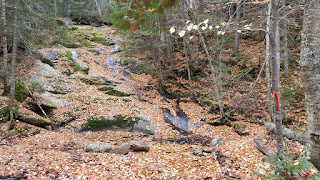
126 74
137 146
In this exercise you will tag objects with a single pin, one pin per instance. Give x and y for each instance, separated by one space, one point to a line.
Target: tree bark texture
275 71
237 34
310 69
4 39
268 67
14 52
285 42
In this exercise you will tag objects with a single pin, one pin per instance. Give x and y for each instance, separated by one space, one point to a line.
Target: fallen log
292 135
262 148
40 122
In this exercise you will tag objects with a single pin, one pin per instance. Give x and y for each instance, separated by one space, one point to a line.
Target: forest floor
42 156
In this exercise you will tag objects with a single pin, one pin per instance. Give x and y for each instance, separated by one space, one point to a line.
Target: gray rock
52 100
137 146
198 151
74 54
50 55
93 147
216 141
123 149
41 83
144 126
106 147
46 70
95 52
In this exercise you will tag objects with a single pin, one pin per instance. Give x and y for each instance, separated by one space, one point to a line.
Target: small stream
114 63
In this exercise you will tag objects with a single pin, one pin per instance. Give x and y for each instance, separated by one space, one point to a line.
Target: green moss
21 91
99 40
113 92
69 55
77 67
103 123
106 88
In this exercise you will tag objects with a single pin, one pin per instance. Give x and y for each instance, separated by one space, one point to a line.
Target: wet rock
216 142
123 149
137 146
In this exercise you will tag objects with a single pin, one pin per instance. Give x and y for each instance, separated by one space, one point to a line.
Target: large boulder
49 57
46 70
53 100
48 84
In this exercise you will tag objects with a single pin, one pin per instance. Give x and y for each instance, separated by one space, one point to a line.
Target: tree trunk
14 52
310 69
268 68
275 73
4 39
192 95
285 42
214 74
237 34
98 7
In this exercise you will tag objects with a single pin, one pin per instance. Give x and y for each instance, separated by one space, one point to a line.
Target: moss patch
21 91
110 91
77 67
120 121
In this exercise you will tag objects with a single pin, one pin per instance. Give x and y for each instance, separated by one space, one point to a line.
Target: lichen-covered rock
137 146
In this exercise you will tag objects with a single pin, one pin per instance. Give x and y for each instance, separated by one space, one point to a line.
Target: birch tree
310 69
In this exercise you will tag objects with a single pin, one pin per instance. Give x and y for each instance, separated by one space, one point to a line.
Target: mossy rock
115 122
21 91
